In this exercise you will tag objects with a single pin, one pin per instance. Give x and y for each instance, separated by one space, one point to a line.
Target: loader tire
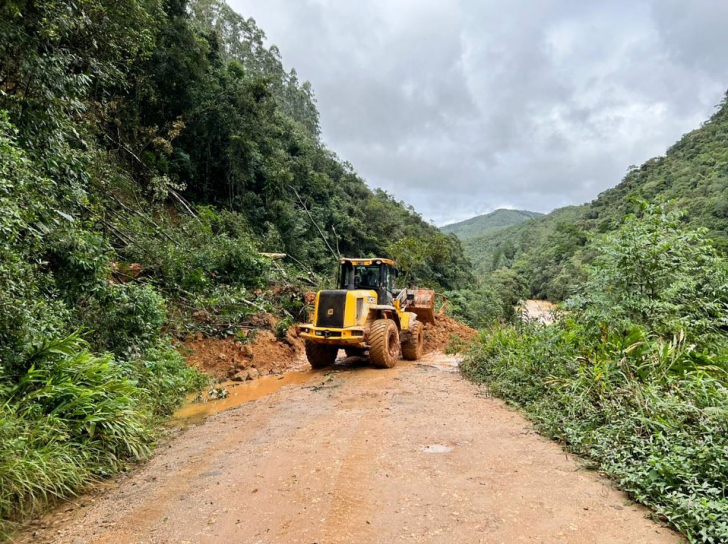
384 343
355 352
321 355
414 346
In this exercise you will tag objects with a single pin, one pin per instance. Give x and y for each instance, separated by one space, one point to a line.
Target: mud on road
356 454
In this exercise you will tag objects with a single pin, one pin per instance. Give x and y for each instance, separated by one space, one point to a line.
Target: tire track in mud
351 504
137 512
365 455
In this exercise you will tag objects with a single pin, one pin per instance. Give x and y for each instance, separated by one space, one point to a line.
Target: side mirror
396 272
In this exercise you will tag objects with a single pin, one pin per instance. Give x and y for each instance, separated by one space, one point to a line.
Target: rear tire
321 355
414 346
384 343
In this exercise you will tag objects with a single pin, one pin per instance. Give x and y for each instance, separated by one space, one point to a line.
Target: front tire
414 346
321 355
384 343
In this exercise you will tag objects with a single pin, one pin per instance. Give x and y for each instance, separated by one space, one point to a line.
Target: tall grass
74 416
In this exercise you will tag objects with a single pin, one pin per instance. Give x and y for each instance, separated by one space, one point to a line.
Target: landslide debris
446 331
248 355
258 352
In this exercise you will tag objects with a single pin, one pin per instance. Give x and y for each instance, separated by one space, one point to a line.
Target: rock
247 351
253 374
240 376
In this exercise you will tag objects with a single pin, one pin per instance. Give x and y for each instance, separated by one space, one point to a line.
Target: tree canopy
151 153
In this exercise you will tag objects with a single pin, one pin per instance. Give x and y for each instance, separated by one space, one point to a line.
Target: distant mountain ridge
482 224
546 257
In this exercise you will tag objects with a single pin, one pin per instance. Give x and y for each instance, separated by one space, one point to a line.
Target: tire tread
378 352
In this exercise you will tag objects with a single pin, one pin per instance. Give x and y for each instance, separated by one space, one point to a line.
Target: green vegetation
549 253
486 304
153 151
150 152
635 374
490 299
477 226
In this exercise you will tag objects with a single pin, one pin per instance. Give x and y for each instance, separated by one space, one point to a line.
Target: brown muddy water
198 408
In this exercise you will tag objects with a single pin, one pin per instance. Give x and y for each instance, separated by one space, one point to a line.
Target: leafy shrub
217 313
480 307
654 272
29 300
124 318
636 375
71 416
165 378
79 261
211 252
281 328
75 415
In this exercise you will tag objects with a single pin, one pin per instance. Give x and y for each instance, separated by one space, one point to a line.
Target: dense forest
151 153
545 258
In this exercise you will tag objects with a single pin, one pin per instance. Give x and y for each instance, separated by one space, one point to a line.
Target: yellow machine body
348 324
344 316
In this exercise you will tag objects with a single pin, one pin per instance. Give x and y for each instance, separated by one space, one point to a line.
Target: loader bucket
423 304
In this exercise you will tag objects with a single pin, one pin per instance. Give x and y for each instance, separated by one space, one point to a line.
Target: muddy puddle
201 406
197 409
446 363
228 395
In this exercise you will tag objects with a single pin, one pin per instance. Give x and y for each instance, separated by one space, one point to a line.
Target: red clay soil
223 358
444 332
226 358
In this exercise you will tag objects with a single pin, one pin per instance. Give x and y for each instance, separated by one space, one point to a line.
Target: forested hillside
546 256
477 226
634 374
150 152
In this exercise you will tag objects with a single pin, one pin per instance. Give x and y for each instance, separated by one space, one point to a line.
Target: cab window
366 277
391 280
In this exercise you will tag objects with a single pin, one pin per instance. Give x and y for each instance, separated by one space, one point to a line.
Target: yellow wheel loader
367 313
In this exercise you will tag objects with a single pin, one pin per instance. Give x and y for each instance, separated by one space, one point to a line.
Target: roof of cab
366 261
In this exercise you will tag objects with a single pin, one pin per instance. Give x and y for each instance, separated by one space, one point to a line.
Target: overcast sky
462 107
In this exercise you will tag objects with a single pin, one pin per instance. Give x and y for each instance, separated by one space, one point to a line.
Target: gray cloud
463 107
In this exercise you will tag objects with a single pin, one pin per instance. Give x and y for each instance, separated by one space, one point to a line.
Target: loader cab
370 274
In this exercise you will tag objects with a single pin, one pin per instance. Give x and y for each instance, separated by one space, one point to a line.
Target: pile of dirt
444 332
240 360
259 352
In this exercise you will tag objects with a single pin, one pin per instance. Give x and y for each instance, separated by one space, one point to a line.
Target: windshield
366 276
363 276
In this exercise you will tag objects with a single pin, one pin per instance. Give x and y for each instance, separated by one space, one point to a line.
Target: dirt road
356 454
538 310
